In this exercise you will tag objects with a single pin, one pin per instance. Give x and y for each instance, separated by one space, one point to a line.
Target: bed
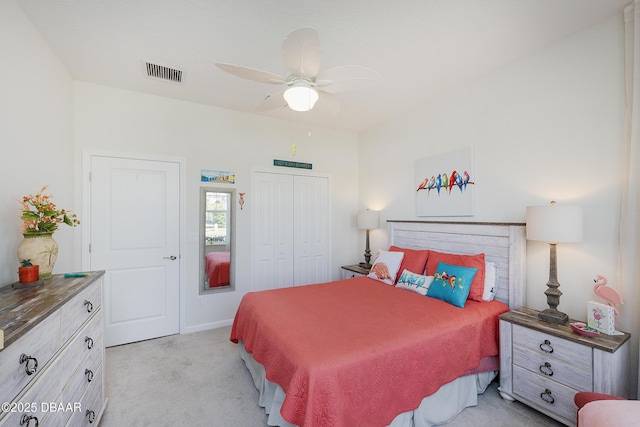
217 268
361 352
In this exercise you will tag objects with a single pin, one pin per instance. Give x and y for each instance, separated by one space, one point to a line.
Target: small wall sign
290 164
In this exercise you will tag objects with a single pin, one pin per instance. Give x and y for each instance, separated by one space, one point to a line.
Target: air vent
161 72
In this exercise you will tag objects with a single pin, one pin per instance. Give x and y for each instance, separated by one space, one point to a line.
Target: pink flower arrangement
40 214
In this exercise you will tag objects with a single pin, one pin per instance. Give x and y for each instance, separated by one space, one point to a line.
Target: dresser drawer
82 378
547 394
577 376
79 309
88 341
39 345
92 404
37 400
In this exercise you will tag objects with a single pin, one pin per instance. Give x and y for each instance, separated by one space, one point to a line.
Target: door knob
172 257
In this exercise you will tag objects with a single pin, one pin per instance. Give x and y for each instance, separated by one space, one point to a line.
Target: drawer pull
546 369
26 420
89 342
89 374
26 359
547 397
91 416
89 306
546 347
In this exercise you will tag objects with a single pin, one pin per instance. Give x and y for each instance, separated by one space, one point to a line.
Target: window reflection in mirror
216 238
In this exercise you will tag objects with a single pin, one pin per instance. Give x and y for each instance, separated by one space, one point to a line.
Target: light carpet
199 380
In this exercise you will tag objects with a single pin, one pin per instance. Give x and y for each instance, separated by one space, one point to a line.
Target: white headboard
502 243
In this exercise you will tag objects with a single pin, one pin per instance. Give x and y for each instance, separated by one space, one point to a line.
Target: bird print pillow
414 282
385 266
451 283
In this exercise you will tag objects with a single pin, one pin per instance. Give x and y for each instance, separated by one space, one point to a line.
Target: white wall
213 138
36 126
549 127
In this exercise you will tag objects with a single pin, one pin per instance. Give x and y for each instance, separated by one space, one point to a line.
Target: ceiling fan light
300 97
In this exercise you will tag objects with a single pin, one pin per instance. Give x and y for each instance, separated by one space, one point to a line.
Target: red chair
608 413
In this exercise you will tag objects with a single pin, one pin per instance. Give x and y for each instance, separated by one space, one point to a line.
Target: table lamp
554 224
367 220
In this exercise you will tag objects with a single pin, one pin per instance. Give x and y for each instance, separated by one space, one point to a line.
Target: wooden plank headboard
502 243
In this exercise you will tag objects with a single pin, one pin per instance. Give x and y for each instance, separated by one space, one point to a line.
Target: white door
290 230
272 231
311 230
135 230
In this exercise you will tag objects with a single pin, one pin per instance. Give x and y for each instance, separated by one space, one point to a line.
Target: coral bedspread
358 352
217 268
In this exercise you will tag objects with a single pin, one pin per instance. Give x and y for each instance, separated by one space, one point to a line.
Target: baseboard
207 326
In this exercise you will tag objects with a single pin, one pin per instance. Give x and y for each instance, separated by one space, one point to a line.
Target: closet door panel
311 230
272 214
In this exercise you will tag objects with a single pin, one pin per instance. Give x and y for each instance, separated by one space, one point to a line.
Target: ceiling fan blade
327 104
345 73
272 102
252 74
301 52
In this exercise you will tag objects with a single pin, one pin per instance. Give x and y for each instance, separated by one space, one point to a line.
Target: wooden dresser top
22 309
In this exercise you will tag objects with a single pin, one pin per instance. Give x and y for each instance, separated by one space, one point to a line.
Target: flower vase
41 249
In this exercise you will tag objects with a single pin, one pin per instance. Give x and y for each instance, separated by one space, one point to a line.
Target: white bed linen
439 408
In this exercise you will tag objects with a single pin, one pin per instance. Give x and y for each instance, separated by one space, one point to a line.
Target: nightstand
351 271
543 365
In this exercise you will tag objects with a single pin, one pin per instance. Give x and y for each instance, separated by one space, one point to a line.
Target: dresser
543 365
52 353
351 271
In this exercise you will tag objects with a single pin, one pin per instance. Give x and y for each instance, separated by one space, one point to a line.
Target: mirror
216 239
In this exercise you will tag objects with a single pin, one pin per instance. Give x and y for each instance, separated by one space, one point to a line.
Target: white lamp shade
554 223
300 97
368 220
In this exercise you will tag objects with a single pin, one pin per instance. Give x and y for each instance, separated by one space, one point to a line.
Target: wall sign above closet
290 164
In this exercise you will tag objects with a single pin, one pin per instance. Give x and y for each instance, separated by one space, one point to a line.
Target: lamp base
367 253
553 316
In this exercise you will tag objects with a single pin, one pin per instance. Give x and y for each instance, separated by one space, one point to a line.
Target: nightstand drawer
352 271
577 376
544 393
346 274
553 347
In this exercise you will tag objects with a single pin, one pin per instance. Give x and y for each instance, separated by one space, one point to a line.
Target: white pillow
414 282
385 266
489 281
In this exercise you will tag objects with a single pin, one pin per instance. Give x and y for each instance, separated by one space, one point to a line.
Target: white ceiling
419 47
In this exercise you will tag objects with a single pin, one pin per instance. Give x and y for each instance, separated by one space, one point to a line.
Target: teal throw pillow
451 283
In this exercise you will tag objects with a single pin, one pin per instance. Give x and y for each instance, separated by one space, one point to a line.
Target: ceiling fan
305 82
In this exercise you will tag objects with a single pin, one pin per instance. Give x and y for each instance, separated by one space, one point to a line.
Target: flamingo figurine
608 294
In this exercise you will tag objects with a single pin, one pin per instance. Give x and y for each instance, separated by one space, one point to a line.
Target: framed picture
600 316
444 184
218 177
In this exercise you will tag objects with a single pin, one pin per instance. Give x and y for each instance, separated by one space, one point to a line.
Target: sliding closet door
311 230
272 231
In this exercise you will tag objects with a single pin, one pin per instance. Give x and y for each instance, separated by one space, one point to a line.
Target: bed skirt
439 408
